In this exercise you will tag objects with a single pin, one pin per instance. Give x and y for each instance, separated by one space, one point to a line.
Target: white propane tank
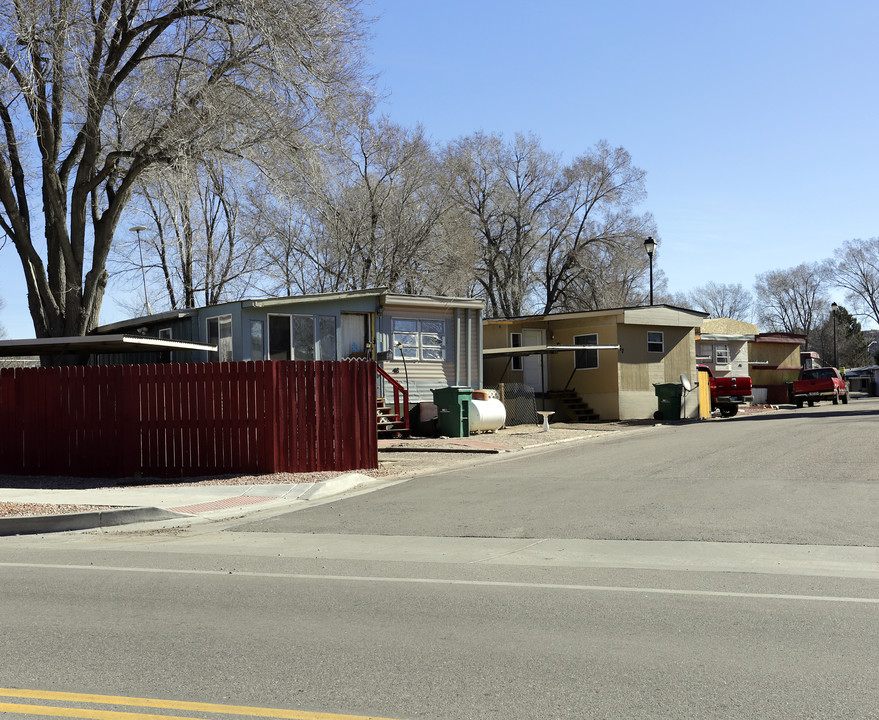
487 415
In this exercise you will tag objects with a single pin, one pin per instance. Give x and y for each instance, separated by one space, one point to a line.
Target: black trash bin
669 395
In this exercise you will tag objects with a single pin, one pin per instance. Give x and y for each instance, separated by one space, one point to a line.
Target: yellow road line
54 711
149 703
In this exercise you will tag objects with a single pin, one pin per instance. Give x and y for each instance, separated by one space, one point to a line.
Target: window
704 352
327 337
586 359
165 333
419 339
302 337
220 334
721 353
516 341
257 342
655 342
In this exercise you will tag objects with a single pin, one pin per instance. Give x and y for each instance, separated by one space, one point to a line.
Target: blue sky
755 121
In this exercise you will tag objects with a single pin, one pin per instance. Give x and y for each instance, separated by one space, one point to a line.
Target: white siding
456 369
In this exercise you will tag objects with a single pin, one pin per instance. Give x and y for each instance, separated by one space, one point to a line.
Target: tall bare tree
855 268
506 190
546 230
612 275
722 300
93 95
792 300
368 213
197 248
592 223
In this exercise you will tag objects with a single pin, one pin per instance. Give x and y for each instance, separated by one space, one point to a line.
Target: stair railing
401 398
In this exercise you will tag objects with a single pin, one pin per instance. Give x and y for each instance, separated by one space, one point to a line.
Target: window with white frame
586 359
721 353
419 339
219 332
655 342
516 341
704 352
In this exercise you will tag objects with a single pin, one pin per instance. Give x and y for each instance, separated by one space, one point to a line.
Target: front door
355 331
533 365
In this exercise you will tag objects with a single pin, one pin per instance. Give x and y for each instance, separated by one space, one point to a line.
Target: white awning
541 350
96 344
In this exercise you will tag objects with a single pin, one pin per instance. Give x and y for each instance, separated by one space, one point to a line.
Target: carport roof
541 350
95 344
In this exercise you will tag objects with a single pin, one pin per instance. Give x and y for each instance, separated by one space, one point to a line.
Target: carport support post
542 384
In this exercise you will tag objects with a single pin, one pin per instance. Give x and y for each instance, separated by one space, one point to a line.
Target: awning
96 344
541 350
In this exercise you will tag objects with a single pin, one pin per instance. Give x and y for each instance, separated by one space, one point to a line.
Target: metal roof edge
145 319
440 300
95 344
724 338
314 297
575 314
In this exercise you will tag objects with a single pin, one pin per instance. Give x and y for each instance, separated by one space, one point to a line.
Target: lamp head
138 228
650 245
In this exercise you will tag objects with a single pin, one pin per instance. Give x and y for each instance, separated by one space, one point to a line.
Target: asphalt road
801 476
718 570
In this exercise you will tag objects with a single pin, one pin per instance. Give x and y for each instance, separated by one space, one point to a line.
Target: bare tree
196 240
591 225
612 275
722 300
102 93
855 268
792 300
550 236
368 213
505 190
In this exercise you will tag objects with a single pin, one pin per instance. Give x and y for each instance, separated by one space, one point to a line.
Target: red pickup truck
818 384
728 393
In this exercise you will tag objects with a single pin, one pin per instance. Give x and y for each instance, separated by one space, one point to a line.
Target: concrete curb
459 451
337 485
36 524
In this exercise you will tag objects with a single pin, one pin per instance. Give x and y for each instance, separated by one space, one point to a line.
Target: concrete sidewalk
152 503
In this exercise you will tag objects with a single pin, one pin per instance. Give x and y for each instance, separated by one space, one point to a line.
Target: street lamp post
137 229
650 247
833 308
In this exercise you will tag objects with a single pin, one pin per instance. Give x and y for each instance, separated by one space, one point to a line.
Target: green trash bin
669 395
453 410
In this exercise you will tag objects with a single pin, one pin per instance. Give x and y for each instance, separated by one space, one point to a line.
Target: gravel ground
397 461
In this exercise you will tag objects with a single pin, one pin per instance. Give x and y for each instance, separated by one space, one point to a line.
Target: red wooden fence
186 420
